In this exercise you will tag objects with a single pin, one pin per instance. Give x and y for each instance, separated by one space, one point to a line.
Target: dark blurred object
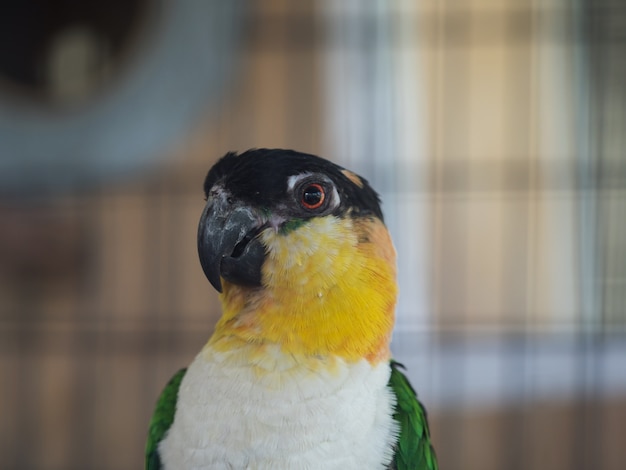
30 31
94 91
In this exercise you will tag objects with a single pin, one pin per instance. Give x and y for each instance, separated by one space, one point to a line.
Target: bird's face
298 250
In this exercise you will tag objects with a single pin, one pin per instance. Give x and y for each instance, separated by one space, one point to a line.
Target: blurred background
495 132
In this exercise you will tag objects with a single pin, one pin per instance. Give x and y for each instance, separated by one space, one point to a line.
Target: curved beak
228 245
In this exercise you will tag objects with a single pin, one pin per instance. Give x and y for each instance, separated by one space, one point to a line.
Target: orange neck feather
329 290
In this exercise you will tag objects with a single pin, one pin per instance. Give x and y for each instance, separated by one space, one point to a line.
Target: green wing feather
162 419
414 450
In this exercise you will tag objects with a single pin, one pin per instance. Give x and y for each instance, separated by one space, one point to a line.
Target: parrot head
298 250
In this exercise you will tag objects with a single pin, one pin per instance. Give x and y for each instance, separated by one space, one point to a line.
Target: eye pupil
313 196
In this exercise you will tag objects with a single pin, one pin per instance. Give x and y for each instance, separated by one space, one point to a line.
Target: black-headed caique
298 373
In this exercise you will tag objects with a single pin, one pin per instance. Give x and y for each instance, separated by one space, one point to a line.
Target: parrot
298 372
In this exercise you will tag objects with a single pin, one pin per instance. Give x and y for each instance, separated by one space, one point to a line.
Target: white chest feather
281 415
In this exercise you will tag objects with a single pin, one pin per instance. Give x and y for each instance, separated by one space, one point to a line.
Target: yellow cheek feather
329 290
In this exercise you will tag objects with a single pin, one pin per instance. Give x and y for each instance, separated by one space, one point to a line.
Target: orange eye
313 196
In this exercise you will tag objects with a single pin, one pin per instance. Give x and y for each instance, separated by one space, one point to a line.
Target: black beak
228 244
